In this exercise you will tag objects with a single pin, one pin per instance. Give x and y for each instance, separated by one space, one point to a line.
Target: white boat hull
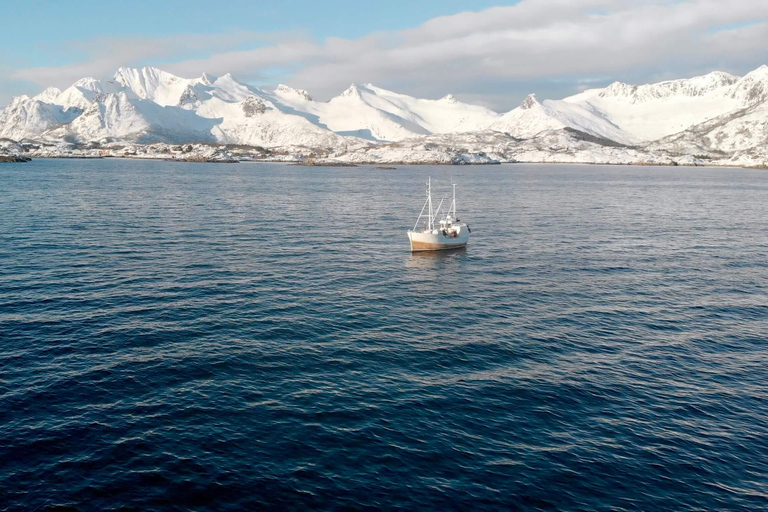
436 241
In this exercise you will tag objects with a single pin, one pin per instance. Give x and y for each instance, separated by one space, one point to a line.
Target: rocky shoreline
14 159
312 163
557 147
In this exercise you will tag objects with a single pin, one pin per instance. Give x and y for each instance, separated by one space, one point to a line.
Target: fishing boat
438 233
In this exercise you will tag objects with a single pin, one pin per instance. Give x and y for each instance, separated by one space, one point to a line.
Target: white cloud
102 56
565 40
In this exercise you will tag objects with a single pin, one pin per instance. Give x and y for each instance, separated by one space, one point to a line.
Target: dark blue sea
184 336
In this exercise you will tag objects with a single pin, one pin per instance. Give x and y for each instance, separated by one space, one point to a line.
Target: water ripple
181 336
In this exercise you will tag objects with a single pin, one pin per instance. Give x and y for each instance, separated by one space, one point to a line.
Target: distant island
715 119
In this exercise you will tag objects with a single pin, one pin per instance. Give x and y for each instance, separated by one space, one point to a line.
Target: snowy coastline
712 120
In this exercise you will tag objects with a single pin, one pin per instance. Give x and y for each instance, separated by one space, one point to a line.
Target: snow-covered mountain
735 131
532 118
715 114
378 114
149 105
649 112
25 117
635 114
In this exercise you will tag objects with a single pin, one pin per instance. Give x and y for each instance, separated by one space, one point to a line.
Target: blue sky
486 52
34 31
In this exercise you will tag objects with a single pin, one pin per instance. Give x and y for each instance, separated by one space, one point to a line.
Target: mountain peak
687 87
88 83
226 80
123 72
284 90
17 100
207 79
49 95
619 89
529 102
722 75
188 97
352 90
126 76
752 88
449 98
760 73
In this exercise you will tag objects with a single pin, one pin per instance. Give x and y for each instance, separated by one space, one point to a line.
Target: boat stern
436 240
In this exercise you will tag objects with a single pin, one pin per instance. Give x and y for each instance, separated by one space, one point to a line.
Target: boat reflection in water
436 259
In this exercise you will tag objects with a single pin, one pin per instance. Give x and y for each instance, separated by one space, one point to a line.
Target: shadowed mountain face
717 113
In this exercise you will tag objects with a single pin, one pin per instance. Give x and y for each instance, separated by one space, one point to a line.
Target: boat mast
454 200
431 225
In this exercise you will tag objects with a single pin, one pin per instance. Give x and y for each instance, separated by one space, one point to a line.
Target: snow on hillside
291 94
552 146
76 97
688 87
528 120
732 132
532 118
26 116
378 114
153 84
120 117
446 115
633 114
351 113
273 128
48 96
752 88
651 112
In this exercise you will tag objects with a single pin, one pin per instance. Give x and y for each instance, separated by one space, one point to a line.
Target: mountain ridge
715 113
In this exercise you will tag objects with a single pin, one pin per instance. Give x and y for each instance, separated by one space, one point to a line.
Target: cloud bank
492 56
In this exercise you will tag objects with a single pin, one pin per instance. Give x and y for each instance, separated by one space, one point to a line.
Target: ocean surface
208 336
